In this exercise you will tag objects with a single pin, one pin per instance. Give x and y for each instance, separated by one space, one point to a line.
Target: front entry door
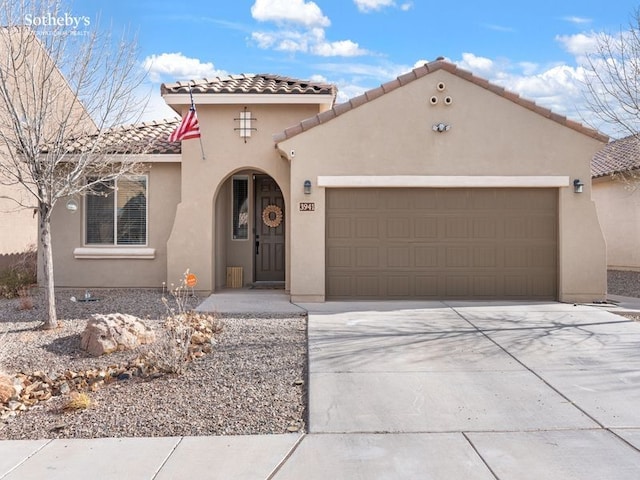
269 236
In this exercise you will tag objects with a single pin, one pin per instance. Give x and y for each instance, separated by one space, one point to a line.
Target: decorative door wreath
272 216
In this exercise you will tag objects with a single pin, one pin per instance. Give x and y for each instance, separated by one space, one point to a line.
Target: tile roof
618 156
146 137
419 72
263 83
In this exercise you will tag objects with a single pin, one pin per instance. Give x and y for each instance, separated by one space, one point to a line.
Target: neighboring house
435 185
35 81
616 191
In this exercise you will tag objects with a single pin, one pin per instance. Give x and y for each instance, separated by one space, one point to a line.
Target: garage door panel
457 286
399 228
457 227
367 227
367 257
367 286
485 256
339 227
485 228
457 257
485 285
340 257
399 286
425 257
398 257
451 243
425 227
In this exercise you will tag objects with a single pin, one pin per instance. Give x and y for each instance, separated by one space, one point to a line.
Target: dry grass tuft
77 401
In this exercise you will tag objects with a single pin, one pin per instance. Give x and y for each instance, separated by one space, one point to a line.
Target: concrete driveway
414 390
470 390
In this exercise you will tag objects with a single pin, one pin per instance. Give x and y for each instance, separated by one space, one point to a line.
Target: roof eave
248 98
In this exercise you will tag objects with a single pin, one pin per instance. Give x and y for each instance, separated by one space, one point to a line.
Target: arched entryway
250 232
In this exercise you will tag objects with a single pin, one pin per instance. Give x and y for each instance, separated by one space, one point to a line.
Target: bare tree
64 86
612 79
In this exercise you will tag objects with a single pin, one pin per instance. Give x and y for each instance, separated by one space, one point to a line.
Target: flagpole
194 107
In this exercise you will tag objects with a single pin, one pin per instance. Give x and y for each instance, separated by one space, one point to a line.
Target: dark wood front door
269 236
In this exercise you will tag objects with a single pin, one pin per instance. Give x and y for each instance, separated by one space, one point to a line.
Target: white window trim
114 253
434 181
89 246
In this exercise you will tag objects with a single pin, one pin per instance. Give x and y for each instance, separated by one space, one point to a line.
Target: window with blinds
116 212
240 208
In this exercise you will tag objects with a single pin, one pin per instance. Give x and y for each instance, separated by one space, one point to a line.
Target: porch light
307 187
72 205
441 127
577 186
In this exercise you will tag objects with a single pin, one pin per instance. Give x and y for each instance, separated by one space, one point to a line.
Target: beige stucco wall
194 243
68 234
618 205
28 81
17 224
490 135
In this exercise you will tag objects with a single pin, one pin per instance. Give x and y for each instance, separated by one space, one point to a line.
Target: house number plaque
307 206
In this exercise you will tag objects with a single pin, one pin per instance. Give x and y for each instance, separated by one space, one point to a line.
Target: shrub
20 275
184 333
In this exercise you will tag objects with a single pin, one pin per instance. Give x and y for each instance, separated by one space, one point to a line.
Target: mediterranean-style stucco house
616 191
436 185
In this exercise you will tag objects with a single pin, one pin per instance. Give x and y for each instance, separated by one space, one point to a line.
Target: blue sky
533 48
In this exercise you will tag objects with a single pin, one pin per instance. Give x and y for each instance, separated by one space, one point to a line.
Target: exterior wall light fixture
577 186
441 127
72 205
307 187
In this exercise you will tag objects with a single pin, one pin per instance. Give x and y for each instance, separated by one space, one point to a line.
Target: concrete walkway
455 390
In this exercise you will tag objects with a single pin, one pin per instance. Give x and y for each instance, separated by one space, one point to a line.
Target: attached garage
471 243
441 185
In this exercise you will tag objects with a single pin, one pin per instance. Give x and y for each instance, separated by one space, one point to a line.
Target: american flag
188 128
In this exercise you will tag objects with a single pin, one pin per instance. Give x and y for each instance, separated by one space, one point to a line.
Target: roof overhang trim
248 98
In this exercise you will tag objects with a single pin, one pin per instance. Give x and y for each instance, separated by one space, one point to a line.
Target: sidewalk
398 390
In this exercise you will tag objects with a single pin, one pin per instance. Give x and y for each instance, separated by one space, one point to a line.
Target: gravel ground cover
252 383
623 283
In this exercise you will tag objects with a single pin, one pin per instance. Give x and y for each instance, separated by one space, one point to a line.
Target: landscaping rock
7 390
114 332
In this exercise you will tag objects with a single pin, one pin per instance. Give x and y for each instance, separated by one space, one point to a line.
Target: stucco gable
419 72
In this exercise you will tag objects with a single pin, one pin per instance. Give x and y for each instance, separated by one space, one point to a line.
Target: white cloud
343 48
289 11
577 20
499 28
580 44
485 67
176 66
366 6
309 39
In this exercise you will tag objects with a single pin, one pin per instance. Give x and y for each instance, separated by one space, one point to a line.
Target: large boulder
114 332
7 390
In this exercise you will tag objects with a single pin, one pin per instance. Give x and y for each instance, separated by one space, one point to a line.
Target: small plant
20 275
25 301
183 332
77 401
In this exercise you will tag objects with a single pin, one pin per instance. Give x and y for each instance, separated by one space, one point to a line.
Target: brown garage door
441 243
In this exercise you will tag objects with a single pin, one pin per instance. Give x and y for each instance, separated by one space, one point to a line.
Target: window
240 208
116 213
